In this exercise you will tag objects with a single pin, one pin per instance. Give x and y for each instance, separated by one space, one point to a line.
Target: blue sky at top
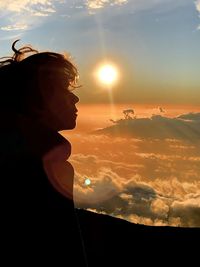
155 39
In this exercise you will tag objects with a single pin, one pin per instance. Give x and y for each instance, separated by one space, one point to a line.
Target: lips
73 112
76 111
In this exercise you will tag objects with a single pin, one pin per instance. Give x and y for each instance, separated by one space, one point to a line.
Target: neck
42 141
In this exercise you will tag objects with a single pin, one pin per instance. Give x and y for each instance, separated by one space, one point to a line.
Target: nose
74 98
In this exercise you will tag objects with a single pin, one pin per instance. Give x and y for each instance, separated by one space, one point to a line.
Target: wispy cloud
27 5
45 7
131 5
197 3
22 14
96 4
15 27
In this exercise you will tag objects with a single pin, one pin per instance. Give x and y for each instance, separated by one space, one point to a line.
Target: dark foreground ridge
110 241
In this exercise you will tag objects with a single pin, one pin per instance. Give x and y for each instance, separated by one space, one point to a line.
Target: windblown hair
24 75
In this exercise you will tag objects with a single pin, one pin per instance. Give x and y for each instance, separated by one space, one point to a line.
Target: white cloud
15 36
96 4
48 6
132 5
15 27
22 14
197 3
40 14
25 5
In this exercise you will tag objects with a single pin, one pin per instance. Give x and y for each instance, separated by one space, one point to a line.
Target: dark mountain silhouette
109 241
186 127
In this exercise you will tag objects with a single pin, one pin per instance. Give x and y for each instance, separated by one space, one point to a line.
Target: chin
68 126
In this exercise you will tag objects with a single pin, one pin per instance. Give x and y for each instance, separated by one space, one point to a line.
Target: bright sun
107 74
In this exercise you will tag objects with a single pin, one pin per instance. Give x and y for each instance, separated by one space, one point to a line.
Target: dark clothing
38 222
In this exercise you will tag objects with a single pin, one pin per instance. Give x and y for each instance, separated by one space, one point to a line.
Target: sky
153 43
145 169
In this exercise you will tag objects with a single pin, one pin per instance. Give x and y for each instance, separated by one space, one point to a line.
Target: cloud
93 159
9 37
158 156
27 5
197 4
190 116
153 202
147 180
85 159
114 195
97 4
148 221
15 27
150 158
103 187
159 207
188 211
131 6
184 127
139 206
22 14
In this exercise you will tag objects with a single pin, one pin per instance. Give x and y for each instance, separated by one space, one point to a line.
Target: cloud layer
157 202
185 127
154 181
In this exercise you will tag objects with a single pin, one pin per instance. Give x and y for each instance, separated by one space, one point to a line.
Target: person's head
39 86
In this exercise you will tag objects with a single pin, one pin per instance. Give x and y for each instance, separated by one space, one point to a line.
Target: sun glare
107 74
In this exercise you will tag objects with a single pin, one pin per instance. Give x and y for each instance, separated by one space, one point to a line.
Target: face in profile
59 111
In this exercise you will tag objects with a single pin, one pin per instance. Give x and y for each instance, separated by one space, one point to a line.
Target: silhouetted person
37 214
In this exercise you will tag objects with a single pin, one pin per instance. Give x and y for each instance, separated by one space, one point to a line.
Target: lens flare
87 181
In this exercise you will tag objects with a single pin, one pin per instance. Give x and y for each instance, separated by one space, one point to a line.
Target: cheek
56 101
59 104
62 109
